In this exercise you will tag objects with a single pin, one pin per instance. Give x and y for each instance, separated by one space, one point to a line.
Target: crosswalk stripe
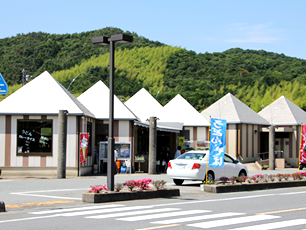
92 212
163 215
238 220
202 217
132 213
275 225
75 209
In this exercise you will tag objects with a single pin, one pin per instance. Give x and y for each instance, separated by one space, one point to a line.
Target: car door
230 167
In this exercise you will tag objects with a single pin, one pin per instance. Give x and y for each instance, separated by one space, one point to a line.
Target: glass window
192 156
34 137
185 134
228 159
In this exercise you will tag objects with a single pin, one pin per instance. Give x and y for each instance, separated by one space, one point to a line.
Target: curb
2 206
122 196
252 187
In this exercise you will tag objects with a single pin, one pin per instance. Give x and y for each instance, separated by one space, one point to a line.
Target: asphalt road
34 203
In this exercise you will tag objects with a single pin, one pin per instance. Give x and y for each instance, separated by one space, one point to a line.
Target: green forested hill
255 77
37 52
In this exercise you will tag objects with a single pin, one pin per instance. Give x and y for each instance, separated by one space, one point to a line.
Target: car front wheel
178 181
242 173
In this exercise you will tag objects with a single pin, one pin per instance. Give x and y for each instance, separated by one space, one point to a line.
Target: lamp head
102 40
121 38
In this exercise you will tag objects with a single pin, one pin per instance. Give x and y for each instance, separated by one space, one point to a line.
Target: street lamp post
102 40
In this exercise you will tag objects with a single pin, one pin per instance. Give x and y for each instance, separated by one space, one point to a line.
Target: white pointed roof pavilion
144 105
179 110
96 99
233 111
42 96
283 112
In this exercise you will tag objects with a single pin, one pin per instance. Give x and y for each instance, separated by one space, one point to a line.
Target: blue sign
217 143
3 85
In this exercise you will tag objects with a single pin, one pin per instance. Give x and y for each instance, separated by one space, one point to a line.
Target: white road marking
23 219
207 201
47 196
238 220
275 225
163 215
291 193
132 213
53 197
194 218
5 180
54 190
105 210
75 209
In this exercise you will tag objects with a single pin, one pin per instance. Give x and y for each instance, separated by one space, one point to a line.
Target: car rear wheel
242 173
210 177
178 181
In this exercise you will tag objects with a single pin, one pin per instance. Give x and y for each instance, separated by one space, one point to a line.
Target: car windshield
192 156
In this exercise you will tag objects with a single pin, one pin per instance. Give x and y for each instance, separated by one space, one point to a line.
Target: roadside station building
287 119
195 126
29 128
96 99
243 126
144 105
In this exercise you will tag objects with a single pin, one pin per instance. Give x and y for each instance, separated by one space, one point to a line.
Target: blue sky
199 25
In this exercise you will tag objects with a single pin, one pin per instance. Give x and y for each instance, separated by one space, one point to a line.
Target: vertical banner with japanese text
303 146
217 143
84 140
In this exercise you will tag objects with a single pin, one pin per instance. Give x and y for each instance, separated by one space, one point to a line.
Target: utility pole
272 147
24 72
62 143
25 77
152 145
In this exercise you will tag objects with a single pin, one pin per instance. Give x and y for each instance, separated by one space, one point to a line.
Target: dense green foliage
37 52
204 78
255 77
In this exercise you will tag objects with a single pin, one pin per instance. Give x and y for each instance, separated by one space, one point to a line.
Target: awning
173 127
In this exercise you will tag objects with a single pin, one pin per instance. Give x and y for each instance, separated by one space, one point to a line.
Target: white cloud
244 33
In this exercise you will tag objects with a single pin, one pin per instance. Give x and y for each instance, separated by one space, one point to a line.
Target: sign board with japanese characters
3 85
217 142
303 145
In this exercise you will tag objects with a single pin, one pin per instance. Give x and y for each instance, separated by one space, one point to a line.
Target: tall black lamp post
117 38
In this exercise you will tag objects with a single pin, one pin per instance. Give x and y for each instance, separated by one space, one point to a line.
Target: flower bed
130 190
128 195
256 182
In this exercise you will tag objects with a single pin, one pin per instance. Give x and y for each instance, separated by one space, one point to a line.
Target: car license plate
181 166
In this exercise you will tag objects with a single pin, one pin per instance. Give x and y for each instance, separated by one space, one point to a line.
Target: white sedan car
192 166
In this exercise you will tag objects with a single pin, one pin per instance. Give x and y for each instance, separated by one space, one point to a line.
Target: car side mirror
236 161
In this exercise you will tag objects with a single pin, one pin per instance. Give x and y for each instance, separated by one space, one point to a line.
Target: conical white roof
179 110
96 99
42 96
144 105
283 112
233 111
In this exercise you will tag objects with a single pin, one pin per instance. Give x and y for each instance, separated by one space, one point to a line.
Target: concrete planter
121 196
251 187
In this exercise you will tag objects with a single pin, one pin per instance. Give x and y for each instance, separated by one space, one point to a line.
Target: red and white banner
303 145
84 140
